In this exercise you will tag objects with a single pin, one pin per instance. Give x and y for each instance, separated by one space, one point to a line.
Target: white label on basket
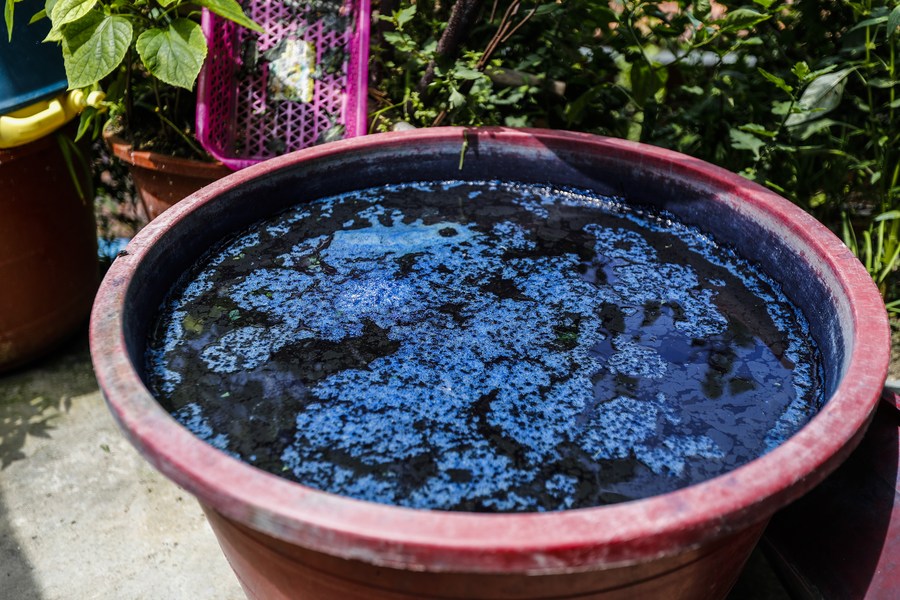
292 63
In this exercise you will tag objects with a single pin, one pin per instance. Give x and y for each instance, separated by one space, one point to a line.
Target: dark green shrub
801 96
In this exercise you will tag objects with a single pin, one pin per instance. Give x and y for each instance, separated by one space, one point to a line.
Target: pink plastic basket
246 112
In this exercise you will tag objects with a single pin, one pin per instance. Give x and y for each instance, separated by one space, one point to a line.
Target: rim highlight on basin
533 543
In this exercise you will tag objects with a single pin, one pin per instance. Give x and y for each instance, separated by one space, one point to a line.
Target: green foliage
93 46
799 96
96 35
174 54
879 249
143 52
8 15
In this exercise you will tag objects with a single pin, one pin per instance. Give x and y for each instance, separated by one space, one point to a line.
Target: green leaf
695 22
85 121
70 154
820 72
868 23
516 121
822 95
888 216
893 22
881 83
750 41
93 46
37 16
546 9
231 10
462 72
702 8
401 41
8 14
54 35
645 82
764 3
801 70
744 18
174 55
807 130
574 111
166 3
404 16
781 107
778 81
456 98
818 199
860 104
741 140
69 11
758 130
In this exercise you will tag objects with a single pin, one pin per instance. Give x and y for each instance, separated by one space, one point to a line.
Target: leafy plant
879 250
799 96
148 53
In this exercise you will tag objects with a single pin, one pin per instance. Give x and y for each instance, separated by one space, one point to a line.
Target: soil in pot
484 347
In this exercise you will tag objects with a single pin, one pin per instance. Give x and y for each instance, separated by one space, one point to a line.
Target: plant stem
129 92
373 117
462 17
504 31
187 139
891 151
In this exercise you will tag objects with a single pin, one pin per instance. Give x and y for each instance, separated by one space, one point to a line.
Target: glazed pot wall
599 545
269 569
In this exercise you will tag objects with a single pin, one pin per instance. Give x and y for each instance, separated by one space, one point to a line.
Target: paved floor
83 516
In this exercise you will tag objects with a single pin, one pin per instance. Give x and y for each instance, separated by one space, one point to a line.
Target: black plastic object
30 70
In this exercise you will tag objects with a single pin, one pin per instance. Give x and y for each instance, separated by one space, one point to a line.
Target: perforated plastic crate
301 83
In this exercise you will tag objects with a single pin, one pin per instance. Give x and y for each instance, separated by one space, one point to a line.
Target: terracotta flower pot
48 252
285 540
163 180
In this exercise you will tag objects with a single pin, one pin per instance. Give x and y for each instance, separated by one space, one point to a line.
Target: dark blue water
483 347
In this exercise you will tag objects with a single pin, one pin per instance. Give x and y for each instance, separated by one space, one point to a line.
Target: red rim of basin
524 542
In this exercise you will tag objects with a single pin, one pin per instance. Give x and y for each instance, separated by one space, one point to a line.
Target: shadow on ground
16 572
30 401
841 540
30 398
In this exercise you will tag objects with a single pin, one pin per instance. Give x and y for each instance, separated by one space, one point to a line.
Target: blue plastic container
30 70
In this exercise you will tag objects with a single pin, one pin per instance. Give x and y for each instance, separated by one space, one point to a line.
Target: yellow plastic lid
43 118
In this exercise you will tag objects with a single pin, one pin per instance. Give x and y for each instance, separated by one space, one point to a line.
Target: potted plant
147 55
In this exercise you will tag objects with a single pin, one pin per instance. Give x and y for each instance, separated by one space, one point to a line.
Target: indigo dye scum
483 346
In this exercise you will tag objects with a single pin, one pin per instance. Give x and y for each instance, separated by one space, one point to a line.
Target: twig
462 15
504 31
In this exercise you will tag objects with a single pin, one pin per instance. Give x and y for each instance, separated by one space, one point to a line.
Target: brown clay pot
163 180
48 252
288 541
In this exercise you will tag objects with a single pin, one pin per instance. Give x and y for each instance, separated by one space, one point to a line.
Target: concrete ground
83 516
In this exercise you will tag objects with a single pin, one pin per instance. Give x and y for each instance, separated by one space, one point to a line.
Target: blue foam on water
191 416
510 375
